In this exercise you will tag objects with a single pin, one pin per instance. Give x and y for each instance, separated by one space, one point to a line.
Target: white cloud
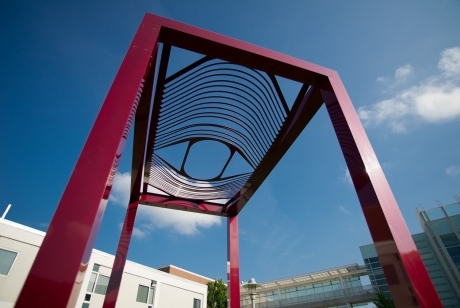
137 233
404 72
346 177
120 189
450 61
436 99
186 223
343 209
453 171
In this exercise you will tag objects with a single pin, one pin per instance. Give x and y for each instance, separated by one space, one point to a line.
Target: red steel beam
234 257
64 253
141 125
404 270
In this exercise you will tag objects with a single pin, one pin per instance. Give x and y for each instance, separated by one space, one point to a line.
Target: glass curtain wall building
339 287
439 247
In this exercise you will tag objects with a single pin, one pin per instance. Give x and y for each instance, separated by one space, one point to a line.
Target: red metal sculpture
230 96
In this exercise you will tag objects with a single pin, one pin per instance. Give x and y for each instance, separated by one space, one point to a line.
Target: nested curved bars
222 116
251 87
217 86
208 103
243 146
243 100
167 179
222 70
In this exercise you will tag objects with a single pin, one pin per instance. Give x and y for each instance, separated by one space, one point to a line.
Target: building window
92 281
145 294
196 303
142 294
151 296
7 258
101 285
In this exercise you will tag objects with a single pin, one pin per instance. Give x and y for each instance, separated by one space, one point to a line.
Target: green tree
217 294
382 301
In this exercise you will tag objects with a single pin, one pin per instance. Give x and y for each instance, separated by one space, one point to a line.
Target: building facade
141 286
439 247
339 287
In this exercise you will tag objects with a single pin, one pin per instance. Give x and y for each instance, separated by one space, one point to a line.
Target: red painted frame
234 259
63 257
64 254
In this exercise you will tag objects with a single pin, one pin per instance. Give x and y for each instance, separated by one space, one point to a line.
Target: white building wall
168 299
171 291
26 242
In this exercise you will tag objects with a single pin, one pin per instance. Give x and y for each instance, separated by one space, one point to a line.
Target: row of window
98 284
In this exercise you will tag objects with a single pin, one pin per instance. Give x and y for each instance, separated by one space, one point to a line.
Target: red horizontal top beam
219 46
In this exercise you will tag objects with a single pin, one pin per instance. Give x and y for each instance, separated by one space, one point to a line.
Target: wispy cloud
453 171
120 189
185 223
401 76
343 209
137 233
404 72
435 100
345 177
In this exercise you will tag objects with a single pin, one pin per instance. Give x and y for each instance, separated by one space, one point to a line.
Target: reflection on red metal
74 227
140 133
233 252
230 95
393 241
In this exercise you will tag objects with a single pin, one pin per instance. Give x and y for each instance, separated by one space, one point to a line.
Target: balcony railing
337 297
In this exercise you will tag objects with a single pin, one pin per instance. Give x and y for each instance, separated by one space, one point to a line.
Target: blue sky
400 63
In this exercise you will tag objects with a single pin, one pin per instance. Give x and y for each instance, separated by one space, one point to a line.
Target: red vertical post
64 253
233 252
404 270
118 267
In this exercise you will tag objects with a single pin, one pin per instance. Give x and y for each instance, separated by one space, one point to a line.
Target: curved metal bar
283 108
249 152
219 115
204 75
200 91
192 106
245 72
221 71
222 83
215 179
169 182
253 161
232 69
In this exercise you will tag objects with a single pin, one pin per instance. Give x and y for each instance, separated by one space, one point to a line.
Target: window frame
97 280
137 295
14 261
151 293
195 300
